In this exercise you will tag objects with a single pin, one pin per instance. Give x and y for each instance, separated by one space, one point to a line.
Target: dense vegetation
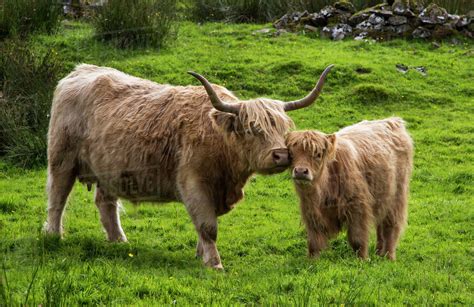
22 17
136 23
262 242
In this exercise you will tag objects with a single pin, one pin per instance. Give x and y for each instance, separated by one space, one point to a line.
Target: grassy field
262 241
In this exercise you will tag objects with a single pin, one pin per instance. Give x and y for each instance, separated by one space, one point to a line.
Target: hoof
51 232
214 264
120 239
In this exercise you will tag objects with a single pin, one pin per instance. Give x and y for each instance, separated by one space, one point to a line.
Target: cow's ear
331 149
224 121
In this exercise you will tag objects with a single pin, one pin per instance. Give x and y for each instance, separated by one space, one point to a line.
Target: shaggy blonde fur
143 141
356 177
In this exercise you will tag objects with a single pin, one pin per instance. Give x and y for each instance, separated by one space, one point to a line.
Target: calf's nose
301 173
281 157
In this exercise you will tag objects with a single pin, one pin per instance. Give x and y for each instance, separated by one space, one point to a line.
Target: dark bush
28 80
23 17
136 23
240 10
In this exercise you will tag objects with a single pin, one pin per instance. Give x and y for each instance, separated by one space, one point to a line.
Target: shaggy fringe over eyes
310 140
264 116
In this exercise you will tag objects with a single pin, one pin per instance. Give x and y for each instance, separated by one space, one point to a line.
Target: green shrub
28 80
23 17
136 23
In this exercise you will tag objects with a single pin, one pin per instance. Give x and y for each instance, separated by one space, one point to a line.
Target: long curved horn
308 100
215 100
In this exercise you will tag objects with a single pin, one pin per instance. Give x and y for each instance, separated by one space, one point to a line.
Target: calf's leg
392 231
395 222
380 249
358 230
60 183
109 215
317 241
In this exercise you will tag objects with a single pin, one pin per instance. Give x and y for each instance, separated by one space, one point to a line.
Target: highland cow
143 141
356 177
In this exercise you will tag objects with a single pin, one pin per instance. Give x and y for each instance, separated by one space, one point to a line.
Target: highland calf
356 177
143 141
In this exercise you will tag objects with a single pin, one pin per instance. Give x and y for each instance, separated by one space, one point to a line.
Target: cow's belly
137 184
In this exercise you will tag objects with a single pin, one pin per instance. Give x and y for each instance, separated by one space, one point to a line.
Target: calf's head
310 151
258 127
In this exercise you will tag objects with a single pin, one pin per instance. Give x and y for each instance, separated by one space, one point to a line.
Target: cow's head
258 126
310 151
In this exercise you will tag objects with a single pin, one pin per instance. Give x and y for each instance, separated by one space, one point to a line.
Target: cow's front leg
203 213
205 222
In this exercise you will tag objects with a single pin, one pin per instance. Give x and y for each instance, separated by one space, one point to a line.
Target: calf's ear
331 150
223 121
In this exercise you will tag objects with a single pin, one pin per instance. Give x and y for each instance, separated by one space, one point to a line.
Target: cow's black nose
281 157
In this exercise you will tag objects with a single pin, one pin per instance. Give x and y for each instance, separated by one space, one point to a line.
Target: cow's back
382 152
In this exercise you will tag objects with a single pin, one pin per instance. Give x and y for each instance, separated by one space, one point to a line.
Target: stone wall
399 18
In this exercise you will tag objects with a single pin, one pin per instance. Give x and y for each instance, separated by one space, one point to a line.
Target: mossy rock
404 7
345 6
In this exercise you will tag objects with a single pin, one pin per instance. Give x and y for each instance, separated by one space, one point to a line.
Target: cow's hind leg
60 182
109 215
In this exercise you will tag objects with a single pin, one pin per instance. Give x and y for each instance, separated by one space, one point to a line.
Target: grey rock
422 70
397 20
402 68
399 8
376 20
337 32
328 11
433 14
462 22
361 36
365 25
421 32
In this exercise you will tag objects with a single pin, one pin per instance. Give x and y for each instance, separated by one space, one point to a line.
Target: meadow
262 241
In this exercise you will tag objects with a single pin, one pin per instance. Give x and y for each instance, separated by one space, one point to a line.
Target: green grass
262 241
